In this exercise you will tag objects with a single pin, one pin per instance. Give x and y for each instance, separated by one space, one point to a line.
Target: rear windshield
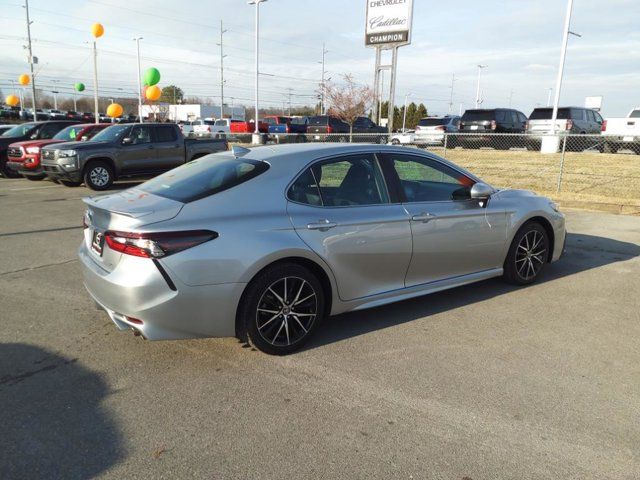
299 120
323 120
475 115
432 122
203 177
545 114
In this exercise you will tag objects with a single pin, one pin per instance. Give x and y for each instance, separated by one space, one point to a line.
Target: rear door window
431 122
165 134
478 115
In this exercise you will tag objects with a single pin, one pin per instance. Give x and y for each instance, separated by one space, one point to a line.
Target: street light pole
257 3
404 116
33 79
453 79
563 55
480 67
95 83
222 55
549 97
55 99
137 40
322 109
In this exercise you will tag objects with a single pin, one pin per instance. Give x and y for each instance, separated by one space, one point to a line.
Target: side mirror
481 192
127 141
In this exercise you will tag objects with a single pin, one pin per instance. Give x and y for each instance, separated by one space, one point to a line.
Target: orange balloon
114 110
153 93
24 79
97 30
12 100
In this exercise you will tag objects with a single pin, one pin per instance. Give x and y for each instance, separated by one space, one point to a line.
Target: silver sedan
262 244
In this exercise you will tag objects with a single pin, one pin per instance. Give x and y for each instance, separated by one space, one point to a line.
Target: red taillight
569 124
158 244
493 125
209 129
137 321
604 126
329 129
287 129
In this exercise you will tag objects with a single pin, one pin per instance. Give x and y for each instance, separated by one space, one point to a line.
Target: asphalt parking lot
482 382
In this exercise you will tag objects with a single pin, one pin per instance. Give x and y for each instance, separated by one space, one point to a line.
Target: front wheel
98 176
281 309
527 255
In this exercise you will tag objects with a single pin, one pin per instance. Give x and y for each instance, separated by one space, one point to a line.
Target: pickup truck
325 128
27 131
622 133
204 128
24 157
286 129
124 150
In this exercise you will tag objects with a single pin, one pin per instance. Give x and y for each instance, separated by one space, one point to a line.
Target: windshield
111 134
545 114
203 177
432 122
19 130
69 133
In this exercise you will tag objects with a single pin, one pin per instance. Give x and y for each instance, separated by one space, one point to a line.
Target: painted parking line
32 188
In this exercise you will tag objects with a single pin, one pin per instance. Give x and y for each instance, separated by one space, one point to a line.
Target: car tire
395 141
70 183
268 320
98 176
527 254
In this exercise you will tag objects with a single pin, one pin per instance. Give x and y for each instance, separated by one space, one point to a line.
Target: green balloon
151 76
79 87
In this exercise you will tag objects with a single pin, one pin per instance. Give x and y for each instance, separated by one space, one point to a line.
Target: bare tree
348 101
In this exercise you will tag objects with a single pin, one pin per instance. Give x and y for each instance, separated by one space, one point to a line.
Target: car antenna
239 151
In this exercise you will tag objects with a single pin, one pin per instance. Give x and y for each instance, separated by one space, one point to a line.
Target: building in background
189 112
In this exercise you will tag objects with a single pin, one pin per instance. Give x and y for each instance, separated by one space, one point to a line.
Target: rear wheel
395 141
281 309
527 255
98 176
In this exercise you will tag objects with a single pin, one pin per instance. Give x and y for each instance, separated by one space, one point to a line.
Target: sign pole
376 85
392 88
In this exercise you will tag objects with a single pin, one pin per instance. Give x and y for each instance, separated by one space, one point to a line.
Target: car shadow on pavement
52 424
583 252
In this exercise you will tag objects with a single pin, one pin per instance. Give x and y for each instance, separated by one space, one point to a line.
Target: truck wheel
98 176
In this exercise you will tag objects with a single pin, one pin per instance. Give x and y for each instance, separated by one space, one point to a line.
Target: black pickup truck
124 150
325 128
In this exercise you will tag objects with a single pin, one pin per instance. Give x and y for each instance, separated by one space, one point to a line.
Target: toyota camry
263 243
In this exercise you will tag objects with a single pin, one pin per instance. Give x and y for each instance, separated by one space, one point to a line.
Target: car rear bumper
161 309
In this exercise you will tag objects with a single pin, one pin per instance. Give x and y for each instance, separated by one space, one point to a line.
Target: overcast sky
519 41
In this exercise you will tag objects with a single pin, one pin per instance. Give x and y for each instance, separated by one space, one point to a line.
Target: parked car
327 128
73 115
262 244
10 112
432 130
287 129
570 121
88 117
241 126
622 133
54 114
203 128
124 150
403 137
27 131
186 127
480 122
27 114
24 157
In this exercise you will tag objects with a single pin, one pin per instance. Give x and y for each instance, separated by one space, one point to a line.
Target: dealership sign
388 22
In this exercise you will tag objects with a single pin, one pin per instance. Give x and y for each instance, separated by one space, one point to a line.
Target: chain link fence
580 168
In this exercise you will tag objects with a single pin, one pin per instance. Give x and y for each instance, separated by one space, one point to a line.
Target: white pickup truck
622 133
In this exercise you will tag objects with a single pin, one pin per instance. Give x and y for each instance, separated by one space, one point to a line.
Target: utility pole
510 98
55 99
549 96
322 107
256 133
222 55
453 79
137 40
289 90
33 79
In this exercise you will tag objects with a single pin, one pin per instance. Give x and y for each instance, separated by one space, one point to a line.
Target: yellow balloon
12 100
153 93
24 79
114 110
97 30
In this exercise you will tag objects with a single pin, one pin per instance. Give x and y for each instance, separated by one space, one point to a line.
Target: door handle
423 217
322 225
